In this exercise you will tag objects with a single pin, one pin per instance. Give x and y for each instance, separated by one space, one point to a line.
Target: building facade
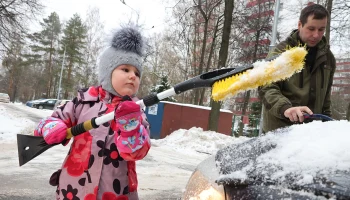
341 81
341 89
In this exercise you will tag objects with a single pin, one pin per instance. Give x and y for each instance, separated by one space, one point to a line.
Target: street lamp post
275 22
59 85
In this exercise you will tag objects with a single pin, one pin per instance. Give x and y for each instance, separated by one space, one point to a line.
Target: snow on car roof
298 154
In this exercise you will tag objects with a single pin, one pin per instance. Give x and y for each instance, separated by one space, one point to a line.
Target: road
15 110
162 174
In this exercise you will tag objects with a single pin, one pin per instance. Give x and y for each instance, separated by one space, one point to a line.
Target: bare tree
339 28
14 16
205 17
94 44
329 9
211 57
255 21
170 51
195 22
164 59
152 65
215 110
13 64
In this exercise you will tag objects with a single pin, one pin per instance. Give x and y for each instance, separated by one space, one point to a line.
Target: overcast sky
152 13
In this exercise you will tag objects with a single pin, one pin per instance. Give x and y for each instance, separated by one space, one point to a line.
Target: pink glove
52 129
128 117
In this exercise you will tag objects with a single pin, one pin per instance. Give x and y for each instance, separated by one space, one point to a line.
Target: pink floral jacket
94 168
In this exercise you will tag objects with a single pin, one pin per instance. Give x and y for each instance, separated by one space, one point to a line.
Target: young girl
101 162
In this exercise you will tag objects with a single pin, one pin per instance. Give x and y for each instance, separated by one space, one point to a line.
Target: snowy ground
305 150
162 174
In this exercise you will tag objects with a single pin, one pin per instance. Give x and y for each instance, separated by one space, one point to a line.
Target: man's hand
295 114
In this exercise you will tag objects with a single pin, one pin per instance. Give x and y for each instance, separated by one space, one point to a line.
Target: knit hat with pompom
126 49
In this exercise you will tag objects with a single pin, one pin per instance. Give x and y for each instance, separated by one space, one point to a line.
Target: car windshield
296 155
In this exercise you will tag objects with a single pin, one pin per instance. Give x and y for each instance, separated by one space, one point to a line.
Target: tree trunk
244 111
328 28
215 109
196 36
69 79
201 63
206 19
15 88
212 47
50 69
10 86
348 113
247 94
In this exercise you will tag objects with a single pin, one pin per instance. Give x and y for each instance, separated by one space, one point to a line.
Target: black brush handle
204 80
81 128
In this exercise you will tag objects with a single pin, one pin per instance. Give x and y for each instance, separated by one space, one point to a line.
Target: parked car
45 104
60 103
300 162
31 102
4 98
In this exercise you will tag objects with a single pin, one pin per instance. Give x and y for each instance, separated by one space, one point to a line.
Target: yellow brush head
284 66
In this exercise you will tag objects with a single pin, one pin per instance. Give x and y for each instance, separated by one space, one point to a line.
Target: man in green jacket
285 102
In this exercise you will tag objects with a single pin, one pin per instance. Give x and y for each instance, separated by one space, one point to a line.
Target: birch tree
94 45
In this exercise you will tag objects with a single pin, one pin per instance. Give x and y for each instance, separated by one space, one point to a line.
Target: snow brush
263 73
30 146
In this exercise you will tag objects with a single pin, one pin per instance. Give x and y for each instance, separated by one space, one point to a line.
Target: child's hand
132 134
52 129
128 116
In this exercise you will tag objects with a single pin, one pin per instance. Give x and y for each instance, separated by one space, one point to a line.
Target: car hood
261 161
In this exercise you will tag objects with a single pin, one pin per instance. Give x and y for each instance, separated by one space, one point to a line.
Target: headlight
202 185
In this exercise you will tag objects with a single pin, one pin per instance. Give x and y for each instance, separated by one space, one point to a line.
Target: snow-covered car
306 161
4 98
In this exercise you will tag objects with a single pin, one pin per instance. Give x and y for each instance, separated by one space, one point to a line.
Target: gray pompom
128 39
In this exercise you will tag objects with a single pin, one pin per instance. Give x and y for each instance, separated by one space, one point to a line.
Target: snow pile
299 153
11 125
197 140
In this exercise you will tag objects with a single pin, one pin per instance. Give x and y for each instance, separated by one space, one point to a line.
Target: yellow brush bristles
284 66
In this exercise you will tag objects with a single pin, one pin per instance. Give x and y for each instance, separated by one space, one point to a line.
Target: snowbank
196 140
11 125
